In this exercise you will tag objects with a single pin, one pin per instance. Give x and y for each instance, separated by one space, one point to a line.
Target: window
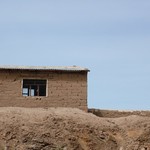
33 87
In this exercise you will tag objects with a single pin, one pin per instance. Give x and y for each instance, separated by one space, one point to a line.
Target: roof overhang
46 68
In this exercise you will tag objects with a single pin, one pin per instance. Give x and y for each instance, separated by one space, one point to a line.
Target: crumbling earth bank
70 129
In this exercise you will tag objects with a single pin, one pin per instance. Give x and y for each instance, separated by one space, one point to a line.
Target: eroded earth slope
71 129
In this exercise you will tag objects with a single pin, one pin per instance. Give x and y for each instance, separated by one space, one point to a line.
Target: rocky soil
71 129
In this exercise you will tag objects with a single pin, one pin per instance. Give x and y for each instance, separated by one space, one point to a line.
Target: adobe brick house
23 86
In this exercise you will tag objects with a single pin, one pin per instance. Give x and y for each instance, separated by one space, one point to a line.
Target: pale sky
111 38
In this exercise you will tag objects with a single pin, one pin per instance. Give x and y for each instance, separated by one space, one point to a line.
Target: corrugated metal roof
53 68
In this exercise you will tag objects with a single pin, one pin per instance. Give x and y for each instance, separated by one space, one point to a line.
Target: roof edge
46 68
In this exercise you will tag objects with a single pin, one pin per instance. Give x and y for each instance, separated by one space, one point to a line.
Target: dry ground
70 129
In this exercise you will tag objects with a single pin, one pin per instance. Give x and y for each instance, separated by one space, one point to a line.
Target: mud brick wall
64 89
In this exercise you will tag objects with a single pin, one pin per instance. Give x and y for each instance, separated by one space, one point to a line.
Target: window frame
30 95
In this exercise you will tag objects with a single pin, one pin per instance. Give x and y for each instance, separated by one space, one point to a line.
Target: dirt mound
70 129
117 113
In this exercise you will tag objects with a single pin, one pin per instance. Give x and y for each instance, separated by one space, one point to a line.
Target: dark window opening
33 87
